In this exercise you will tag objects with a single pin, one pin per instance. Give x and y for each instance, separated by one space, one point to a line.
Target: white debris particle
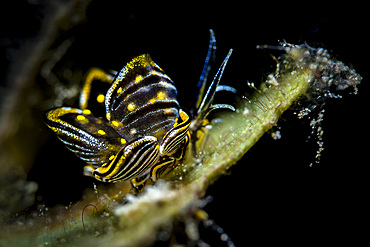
151 195
276 135
224 237
133 131
246 111
95 189
304 112
272 80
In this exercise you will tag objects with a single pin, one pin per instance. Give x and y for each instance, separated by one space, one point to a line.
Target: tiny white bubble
224 237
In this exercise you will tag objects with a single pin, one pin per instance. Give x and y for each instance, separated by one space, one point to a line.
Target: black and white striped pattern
132 161
145 126
176 135
82 137
142 100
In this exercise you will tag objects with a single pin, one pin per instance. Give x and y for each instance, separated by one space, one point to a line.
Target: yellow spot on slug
86 112
138 78
161 95
100 98
131 106
82 119
111 157
101 132
120 89
123 141
116 123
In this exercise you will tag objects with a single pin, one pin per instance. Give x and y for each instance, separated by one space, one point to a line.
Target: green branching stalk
304 72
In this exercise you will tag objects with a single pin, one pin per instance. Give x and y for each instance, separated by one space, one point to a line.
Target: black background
271 195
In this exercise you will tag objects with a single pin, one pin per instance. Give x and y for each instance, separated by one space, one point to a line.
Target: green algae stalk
302 72
299 76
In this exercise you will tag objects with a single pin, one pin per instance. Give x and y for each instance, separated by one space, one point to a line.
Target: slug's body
144 131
